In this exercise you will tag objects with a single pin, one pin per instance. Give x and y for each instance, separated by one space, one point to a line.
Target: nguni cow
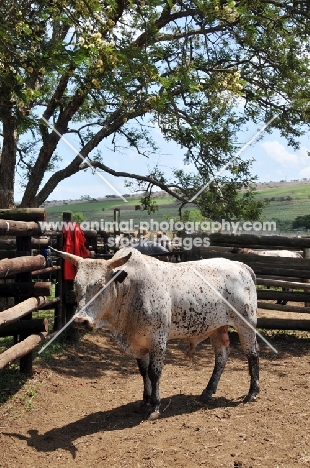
147 302
269 253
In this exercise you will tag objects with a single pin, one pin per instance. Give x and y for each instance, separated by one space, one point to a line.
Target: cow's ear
117 262
119 276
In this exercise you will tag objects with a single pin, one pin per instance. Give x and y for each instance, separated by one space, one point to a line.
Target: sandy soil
80 410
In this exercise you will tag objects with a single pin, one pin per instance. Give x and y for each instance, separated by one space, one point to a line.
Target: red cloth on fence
74 241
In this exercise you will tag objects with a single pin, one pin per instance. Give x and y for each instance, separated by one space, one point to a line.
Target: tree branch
77 166
48 148
55 100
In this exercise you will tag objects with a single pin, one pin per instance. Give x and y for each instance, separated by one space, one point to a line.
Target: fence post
23 243
117 216
307 255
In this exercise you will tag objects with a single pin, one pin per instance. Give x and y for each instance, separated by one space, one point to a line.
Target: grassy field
103 211
301 191
285 211
286 201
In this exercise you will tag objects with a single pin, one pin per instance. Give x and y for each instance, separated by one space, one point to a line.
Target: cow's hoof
250 398
153 416
206 396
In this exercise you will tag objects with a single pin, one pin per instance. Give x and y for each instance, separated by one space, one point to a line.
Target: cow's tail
251 272
249 269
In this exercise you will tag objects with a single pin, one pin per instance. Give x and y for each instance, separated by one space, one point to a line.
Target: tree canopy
199 70
302 222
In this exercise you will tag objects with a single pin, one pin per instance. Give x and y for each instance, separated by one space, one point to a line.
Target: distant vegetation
104 210
302 222
286 204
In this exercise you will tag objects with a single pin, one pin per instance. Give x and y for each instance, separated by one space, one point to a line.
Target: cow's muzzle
82 323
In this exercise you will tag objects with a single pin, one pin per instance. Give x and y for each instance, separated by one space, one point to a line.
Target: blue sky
274 161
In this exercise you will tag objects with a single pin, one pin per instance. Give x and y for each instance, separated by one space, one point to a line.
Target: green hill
284 202
103 211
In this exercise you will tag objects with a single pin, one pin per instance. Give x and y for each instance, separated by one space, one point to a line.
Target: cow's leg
143 365
220 343
253 362
283 301
157 355
250 347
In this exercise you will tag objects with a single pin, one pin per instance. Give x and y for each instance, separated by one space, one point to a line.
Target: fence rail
292 275
23 285
26 280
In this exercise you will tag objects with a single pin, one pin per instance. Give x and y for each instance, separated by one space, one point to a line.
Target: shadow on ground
122 417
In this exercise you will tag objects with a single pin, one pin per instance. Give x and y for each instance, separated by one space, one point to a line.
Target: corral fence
279 279
36 301
30 286
290 275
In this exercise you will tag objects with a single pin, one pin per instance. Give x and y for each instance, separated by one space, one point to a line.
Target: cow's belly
136 345
199 307
200 324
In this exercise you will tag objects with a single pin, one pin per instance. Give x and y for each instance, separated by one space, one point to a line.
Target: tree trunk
8 160
38 172
50 143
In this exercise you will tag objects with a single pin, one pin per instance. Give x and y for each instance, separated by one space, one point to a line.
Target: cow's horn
74 259
117 262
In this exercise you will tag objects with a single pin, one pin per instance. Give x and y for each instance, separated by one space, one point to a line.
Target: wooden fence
26 279
24 288
289 274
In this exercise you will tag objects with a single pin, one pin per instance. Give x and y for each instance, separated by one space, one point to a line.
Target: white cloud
305 173
284 157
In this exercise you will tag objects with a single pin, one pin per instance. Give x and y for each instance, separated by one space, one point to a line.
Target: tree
77 217
199 70
301 222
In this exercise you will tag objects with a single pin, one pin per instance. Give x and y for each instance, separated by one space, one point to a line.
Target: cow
269 253
146 302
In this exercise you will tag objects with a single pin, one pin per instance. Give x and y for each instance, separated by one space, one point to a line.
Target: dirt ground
80 409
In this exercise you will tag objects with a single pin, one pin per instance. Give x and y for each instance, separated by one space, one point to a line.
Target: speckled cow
147 302
267 253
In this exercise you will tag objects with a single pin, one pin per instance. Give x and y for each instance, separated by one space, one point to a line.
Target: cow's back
203 292
189 295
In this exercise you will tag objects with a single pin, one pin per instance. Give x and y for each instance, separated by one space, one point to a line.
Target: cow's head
95 285
240 250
